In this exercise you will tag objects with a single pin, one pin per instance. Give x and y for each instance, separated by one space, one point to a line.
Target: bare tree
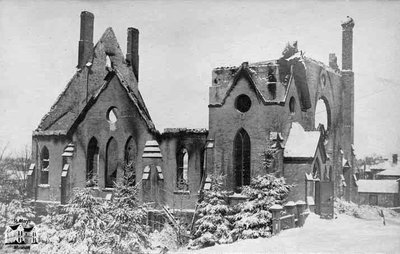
13 174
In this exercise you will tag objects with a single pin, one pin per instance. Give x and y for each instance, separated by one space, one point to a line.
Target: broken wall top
259 74
86 84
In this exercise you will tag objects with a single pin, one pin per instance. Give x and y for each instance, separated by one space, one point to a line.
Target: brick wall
170 145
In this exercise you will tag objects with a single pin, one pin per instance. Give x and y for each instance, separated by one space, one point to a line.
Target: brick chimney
347 88
347 44
333 61
86 38
132 50
394 157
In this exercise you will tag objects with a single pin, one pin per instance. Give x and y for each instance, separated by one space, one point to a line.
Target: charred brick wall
172 142
294 174
55 146
225 121
95 124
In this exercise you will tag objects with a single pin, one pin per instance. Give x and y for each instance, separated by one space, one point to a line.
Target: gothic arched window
130 161
110 172
292 105
241 158
182 169
45 162
92 162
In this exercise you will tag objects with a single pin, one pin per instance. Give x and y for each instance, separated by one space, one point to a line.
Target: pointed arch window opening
112 115
111 169
316 170
322 114
182 180
130 161
242 157
92 164
292 105
45 157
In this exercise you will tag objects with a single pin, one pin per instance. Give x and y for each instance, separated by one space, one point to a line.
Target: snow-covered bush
166 238
77 227
252 219
220 223
125 221
89 224
362 211
213 225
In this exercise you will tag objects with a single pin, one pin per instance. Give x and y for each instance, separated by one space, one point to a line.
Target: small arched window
292 105
45 157
112 115
182 169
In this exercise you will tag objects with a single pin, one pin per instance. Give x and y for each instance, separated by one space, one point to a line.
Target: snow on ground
345 234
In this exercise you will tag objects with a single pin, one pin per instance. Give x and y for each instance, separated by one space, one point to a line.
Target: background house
379 192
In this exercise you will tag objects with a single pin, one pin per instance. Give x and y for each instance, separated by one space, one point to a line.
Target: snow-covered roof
301 143
186 130
385 168
390 169
386 165
378 186
390 172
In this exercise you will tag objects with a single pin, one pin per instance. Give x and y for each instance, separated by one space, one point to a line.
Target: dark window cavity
92 163
130 161
182 169
241 158
243 103
292 105
44 176
271 83
317 170
110 173
373 199
272 90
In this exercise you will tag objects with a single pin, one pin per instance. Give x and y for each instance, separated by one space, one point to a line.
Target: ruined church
99 131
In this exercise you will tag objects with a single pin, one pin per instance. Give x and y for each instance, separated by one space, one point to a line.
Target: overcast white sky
180 43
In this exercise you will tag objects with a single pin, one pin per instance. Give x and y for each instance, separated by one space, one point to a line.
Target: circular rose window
243 103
